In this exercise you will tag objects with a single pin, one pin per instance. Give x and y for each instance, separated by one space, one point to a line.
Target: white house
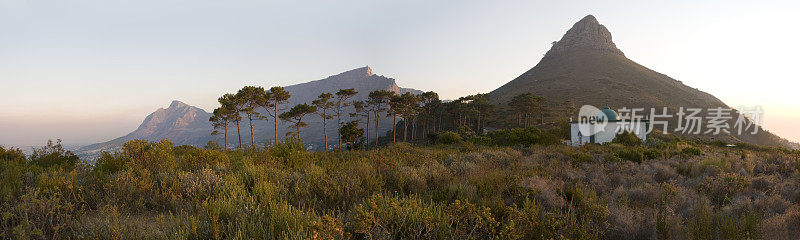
604 127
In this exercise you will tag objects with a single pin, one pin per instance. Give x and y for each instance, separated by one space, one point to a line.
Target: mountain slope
180 123
586 67
188 125
362 79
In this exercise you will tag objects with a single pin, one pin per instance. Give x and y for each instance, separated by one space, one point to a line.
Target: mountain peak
176 104
586 34
359 72
589 19
367 70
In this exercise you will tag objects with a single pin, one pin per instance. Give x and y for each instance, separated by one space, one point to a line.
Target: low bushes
638 154
691 151
449 138
466 190
522 137
627 138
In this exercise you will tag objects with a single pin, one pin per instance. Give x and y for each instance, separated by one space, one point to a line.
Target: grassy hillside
467 189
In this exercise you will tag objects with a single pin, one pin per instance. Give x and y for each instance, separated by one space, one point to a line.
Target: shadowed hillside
586 68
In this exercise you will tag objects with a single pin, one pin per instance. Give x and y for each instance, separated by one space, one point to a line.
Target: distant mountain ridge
586 68
181 123
362 79
188 125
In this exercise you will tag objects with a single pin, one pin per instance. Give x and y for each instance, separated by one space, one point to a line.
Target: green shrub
108 164
522 137
638 154
11 155
482 140
631 154
53 154
691 151
449 138
579 157
701 224
627 138
722 188
150 155
650 153
396 217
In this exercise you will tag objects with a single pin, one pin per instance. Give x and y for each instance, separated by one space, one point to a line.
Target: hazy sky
90 71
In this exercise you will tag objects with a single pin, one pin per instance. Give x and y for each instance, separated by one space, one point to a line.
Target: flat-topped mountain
188 125
587 68
362 79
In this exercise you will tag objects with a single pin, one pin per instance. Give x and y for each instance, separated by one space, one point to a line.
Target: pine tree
378 99
250 98
295 116
525 105
323 103
275 100
220 119
341 102
232 103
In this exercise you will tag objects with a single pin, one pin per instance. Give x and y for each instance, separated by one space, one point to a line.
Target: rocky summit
586 68
586 35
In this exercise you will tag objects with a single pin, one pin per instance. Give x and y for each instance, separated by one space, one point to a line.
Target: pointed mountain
181 123
586 35
586 68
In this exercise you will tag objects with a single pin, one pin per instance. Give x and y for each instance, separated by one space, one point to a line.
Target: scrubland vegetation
461 187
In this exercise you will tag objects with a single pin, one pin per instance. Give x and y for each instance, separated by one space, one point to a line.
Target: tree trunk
366 132
339 127
226 136
405 129
414 129
394 128
424 127
239 133
478 123
252 137
377 118
437 124
275 122
525 120
297 130
325 127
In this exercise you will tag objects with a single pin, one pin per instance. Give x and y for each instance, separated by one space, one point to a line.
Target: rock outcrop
586 35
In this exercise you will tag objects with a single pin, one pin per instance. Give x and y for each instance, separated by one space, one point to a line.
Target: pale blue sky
89 71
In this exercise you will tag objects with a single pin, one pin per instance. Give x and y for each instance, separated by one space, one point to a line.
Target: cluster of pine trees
416 115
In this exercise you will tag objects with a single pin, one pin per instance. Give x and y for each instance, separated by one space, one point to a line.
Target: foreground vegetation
513 184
